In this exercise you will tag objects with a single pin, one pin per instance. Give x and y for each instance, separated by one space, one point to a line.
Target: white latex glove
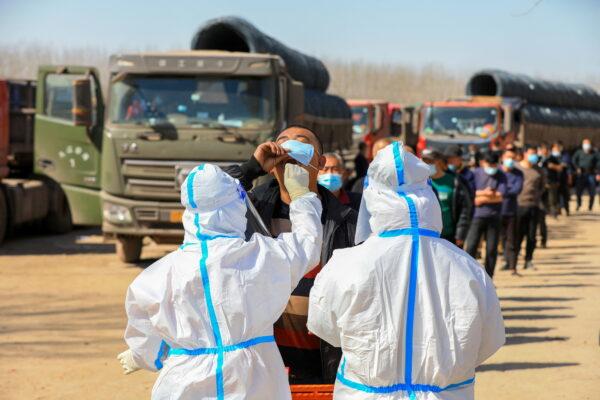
127 362
295 179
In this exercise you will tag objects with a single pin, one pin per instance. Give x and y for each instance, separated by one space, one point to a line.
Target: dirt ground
62 319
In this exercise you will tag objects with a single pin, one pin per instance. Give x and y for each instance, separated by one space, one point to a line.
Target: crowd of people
314 278
498 199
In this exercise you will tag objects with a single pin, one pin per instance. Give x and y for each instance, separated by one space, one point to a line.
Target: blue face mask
301 152
452 167
490 170
332 182
509 163
533 158
556 153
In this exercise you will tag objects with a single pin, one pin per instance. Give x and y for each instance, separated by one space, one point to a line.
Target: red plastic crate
312 392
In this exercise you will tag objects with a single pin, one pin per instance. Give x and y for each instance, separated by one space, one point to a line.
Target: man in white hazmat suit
203 315
413 314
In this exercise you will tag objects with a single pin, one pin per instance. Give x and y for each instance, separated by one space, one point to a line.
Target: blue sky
557 39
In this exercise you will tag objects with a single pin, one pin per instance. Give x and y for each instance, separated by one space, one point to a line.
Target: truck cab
480 121
168 112
165 114
370 119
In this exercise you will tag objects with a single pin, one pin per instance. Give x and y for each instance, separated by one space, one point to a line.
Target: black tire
129 248
59 221
3 215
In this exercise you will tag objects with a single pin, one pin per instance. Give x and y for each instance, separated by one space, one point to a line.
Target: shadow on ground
512 366
537 298
75 242
522 339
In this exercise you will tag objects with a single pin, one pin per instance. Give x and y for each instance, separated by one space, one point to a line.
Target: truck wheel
129 248
3 215
59 221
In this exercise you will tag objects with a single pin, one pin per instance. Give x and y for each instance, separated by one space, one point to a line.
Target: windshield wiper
231 135
449 132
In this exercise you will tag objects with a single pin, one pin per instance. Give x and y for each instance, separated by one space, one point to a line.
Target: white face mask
586 147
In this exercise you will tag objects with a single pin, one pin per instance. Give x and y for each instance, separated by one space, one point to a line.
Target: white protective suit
203 315
413 314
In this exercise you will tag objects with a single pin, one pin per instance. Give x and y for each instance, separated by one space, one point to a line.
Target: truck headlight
116 214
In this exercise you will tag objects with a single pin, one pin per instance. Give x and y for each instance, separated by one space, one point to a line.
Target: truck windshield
241 102
360 120
477 121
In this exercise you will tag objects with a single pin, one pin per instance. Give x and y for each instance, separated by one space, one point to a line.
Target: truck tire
3 215
129 248
59 221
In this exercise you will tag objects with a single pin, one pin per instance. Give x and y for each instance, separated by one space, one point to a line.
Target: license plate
175 216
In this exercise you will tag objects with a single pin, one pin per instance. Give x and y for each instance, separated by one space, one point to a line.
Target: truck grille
157 179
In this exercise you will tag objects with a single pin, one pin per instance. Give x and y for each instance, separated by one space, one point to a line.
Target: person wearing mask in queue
361 163
565 180
308 359
552 167
490 189
514 185
586 162
529 202
474 156
456 164
331 178
454 197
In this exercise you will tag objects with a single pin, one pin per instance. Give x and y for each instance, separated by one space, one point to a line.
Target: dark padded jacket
462 207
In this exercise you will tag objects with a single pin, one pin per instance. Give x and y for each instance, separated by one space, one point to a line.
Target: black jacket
586 163
339 226
462 207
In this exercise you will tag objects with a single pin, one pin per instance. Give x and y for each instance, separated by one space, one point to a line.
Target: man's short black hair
300 126
491 157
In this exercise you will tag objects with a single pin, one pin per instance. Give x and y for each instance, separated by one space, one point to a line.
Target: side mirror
507 123
295 101
82 102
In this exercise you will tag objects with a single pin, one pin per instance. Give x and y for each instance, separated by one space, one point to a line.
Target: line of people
375 300
500 199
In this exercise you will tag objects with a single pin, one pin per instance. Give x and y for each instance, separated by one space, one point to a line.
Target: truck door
66 148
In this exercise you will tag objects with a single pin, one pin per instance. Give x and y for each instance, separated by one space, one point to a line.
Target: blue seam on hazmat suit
399 386
414 232
161 351
409 231
226 349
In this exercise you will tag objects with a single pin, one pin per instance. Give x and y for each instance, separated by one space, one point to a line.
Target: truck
501 108
26 198
119 161
375 119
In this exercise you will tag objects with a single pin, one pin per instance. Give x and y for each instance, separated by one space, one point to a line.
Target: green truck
119 160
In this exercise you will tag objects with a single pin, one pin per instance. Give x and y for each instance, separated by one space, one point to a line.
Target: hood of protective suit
394 172
214 205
